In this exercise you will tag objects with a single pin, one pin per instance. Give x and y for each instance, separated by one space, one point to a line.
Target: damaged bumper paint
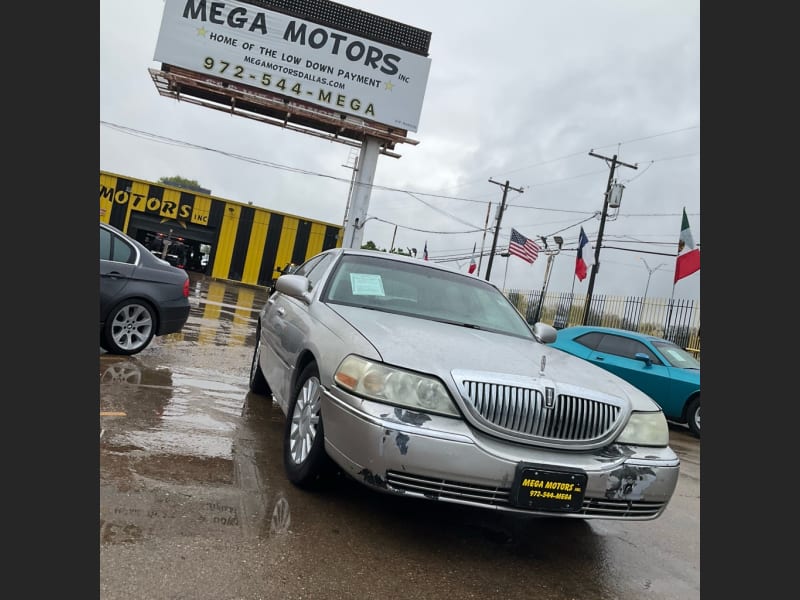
417 454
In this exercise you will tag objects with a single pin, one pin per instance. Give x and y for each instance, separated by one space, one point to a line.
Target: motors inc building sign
249 45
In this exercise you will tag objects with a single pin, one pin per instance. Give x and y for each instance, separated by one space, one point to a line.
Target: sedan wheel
129 328
304 458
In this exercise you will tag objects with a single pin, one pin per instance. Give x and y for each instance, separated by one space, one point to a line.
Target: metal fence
674 319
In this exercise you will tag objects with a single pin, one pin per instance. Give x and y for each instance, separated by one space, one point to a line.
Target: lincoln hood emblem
549 397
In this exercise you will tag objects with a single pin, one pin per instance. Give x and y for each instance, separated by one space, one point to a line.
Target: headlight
645 429
391 385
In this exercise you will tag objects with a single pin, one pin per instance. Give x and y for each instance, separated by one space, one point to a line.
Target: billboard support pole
360 194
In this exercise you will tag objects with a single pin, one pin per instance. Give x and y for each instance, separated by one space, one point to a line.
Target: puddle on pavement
168 411
185 473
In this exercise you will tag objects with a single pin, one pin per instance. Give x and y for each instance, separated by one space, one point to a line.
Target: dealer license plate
548 490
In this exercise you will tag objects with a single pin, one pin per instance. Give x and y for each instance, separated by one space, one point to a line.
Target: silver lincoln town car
418 380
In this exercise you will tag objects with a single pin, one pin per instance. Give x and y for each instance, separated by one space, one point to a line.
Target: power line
581 153
439 210
426 230
650 137
300 171
415 195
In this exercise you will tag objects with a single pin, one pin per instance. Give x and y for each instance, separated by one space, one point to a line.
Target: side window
621 346
306 266
612 344
313 269
590 340
114 248
318 269
105 244
122 251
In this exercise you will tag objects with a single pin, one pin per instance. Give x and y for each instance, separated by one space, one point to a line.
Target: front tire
129 328
693 415
258 383
305 461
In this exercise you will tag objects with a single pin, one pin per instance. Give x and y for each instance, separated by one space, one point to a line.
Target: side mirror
295 286
644 358
545 333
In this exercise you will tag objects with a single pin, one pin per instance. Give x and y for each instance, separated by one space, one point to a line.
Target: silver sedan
418 380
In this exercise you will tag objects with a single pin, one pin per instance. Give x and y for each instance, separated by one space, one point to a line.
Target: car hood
439 348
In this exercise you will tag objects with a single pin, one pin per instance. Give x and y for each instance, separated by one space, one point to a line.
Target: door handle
281 311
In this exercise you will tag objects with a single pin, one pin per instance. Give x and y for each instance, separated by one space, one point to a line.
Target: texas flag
585 256
688 260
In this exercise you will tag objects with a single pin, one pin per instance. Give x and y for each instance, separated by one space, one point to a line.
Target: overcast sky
518 90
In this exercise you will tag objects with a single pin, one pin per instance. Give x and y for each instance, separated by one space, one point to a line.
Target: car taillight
186 288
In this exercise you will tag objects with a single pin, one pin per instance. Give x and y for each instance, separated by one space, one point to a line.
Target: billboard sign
292 57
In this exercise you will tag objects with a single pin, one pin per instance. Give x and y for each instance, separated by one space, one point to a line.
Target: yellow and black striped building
244 243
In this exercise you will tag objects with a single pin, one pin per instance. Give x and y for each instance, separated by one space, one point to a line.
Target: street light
548 269
505 255
650 273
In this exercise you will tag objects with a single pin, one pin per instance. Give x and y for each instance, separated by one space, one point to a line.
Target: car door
285 328
616 353
117 265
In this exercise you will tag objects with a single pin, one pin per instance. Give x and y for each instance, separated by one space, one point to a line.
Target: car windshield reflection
677 356
417 291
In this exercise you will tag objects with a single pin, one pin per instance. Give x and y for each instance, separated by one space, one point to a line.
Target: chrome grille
442 489
499 498
622 509
522 410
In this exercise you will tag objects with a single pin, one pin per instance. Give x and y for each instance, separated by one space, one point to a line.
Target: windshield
677 356
421 291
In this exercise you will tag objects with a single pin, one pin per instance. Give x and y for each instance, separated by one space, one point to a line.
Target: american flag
521 246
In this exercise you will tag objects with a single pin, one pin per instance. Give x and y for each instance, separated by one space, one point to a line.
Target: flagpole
483 241
472 266
669 313
571 297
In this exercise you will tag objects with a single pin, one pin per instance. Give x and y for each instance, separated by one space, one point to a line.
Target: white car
421 381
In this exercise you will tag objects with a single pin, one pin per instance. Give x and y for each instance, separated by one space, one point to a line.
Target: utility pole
596 265
500 211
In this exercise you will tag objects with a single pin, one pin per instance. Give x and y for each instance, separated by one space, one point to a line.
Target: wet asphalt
194 503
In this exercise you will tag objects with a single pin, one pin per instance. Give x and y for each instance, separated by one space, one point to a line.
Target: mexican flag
472 264
688 260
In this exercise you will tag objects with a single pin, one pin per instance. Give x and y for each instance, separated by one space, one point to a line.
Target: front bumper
404 452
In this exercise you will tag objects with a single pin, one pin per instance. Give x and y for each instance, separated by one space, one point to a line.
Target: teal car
661 369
